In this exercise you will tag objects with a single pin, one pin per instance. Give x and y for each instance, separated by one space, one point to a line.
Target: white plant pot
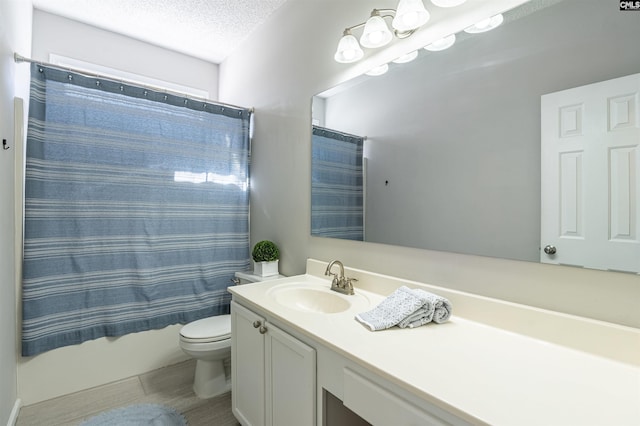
265 269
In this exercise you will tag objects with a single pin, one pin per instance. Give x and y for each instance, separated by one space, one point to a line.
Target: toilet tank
248 277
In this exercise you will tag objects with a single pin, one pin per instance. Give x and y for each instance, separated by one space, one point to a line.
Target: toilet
208 340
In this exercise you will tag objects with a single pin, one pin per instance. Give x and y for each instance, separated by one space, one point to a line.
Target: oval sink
312 297
311 300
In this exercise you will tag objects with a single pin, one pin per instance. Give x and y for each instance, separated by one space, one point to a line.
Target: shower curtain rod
341 133
19 58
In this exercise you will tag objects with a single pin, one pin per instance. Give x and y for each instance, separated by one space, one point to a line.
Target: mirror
452 156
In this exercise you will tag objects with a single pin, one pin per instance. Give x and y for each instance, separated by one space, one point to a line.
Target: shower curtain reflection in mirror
337 185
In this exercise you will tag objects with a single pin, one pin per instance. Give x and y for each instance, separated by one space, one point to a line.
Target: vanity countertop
478 372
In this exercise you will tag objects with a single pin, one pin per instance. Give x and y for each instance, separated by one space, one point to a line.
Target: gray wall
277 70
457 133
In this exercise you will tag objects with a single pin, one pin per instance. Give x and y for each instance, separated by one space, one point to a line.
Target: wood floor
171 386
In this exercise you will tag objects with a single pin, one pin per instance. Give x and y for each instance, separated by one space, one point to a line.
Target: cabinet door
247 367
291 380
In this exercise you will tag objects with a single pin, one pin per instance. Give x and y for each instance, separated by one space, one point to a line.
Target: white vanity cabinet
273 373
461 373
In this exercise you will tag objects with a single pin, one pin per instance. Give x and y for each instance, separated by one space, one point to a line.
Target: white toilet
208 340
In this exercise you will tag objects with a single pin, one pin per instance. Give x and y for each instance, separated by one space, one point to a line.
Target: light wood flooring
171 386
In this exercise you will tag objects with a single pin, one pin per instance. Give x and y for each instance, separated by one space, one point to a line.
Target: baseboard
13 417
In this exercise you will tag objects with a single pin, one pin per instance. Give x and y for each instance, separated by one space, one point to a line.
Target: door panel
590 152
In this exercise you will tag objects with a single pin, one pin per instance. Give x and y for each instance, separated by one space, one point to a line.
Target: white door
291 380
247 366
591 175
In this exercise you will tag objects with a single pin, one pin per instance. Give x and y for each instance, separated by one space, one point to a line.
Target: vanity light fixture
379 70
375 33
447 3
442 44
408 57
348 49
406 19
411 14
485 25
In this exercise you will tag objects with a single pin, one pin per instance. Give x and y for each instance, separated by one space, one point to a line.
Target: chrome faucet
340 283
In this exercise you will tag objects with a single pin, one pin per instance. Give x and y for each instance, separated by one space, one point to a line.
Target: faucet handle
348 284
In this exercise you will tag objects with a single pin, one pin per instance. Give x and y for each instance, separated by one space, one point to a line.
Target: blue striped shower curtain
136 209
337 202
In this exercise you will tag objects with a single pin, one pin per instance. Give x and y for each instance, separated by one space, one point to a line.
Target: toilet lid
208 329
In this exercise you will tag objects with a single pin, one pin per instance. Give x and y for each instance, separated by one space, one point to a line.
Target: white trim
13 417
19 164
119 74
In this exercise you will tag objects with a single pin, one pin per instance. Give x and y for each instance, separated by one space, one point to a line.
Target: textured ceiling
206 29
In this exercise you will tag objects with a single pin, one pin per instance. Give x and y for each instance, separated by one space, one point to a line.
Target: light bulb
375 33
379 70
410 20
348 49
482 25
442 44
376 37
410 14
485 25
349 54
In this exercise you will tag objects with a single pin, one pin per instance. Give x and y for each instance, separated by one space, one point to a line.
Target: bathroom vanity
299 357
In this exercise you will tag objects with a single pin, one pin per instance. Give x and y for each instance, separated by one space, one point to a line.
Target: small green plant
265 251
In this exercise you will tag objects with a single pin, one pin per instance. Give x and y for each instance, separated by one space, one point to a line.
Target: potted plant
265 257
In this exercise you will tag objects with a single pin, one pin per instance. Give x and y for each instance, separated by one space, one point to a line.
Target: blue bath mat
138 415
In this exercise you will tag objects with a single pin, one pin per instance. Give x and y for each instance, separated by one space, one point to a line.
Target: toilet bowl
208 340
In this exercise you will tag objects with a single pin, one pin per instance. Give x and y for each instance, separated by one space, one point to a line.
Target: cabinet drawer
378 406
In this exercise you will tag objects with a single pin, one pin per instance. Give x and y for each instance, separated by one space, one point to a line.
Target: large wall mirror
451 151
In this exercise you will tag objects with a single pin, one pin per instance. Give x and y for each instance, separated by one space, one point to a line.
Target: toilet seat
207 330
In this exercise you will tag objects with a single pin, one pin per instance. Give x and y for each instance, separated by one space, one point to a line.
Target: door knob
549 249
263 329
256 324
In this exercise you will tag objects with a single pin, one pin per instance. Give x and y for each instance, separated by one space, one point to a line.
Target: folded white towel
442 310
418 318
399 305
436 309
407 308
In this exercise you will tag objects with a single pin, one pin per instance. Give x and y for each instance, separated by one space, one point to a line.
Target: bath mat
138 415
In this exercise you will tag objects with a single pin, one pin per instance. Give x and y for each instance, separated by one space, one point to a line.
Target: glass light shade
406 57
378 70
442 44
447 3
410 14
375 33
485 25
348 50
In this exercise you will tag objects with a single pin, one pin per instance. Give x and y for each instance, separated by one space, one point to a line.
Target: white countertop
481 373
